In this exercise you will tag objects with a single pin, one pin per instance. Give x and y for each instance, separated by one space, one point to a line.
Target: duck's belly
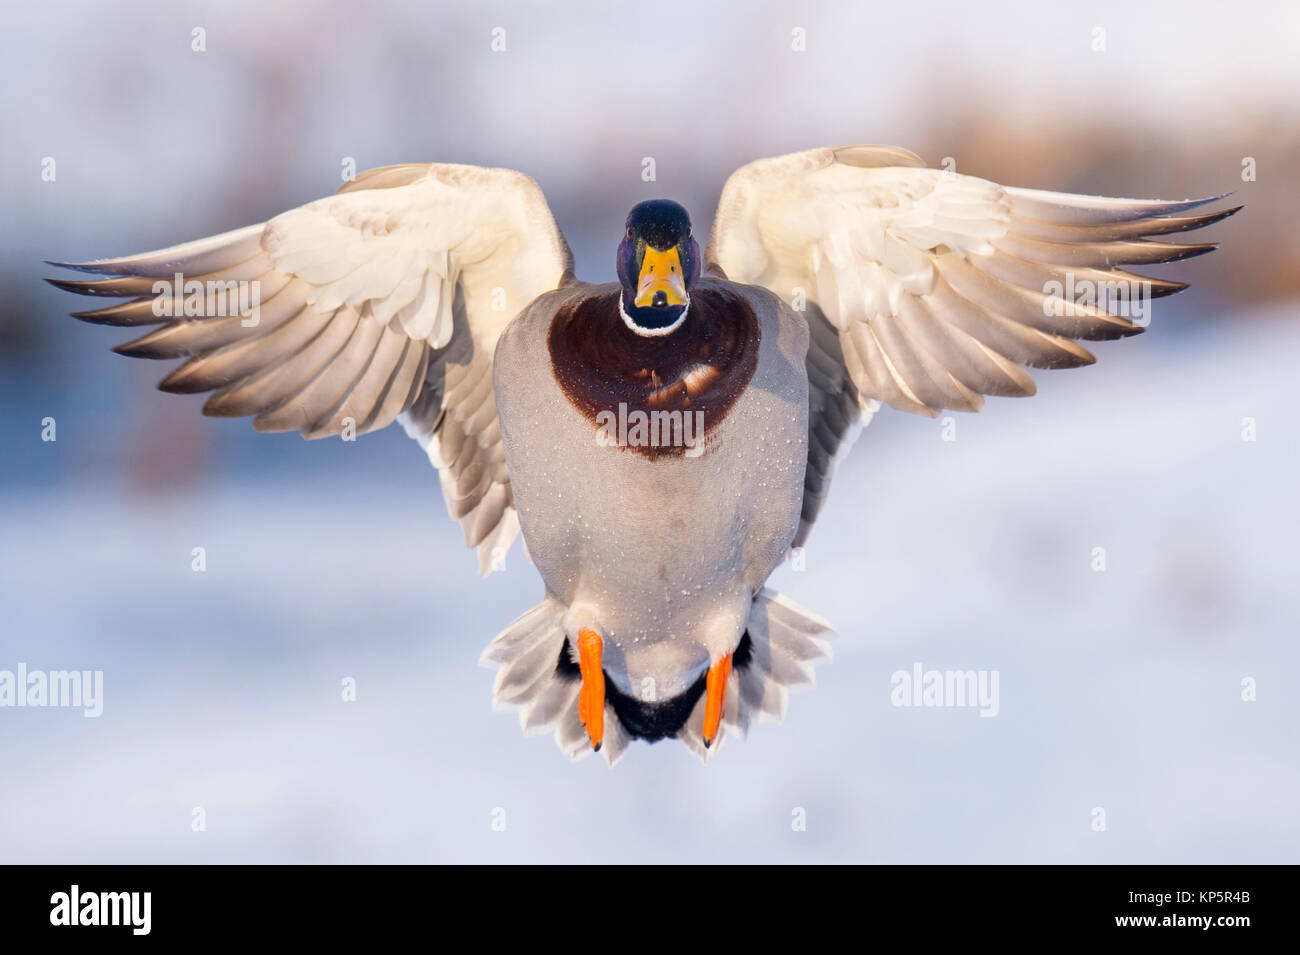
665 549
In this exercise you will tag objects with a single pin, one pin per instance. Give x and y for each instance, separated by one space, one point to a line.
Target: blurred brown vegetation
1259 259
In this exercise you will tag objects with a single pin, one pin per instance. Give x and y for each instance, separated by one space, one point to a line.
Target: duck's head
658 263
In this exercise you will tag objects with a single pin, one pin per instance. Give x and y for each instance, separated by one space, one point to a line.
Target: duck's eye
629 233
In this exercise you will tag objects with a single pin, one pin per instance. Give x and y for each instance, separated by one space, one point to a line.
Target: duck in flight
661 441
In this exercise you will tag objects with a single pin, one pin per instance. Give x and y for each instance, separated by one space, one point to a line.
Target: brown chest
686 381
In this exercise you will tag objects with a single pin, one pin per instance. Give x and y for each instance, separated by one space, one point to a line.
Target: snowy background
326 560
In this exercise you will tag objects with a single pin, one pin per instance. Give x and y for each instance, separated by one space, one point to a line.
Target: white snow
1119 690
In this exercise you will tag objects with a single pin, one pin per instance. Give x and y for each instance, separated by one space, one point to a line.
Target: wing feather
939 286
345 314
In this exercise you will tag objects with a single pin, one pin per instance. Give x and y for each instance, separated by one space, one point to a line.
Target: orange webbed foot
591 698
715 698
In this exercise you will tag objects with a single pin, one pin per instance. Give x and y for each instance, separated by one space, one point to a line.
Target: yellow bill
661 280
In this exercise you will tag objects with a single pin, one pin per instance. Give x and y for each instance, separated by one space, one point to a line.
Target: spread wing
926 290
381 302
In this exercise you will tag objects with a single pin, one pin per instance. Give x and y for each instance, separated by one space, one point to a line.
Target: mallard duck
664 440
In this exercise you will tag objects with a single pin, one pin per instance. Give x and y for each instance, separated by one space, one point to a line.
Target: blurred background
326 560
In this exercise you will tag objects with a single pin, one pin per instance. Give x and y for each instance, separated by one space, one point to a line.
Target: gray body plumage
663 554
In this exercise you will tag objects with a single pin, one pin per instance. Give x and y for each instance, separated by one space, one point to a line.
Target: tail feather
527 654
784 641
